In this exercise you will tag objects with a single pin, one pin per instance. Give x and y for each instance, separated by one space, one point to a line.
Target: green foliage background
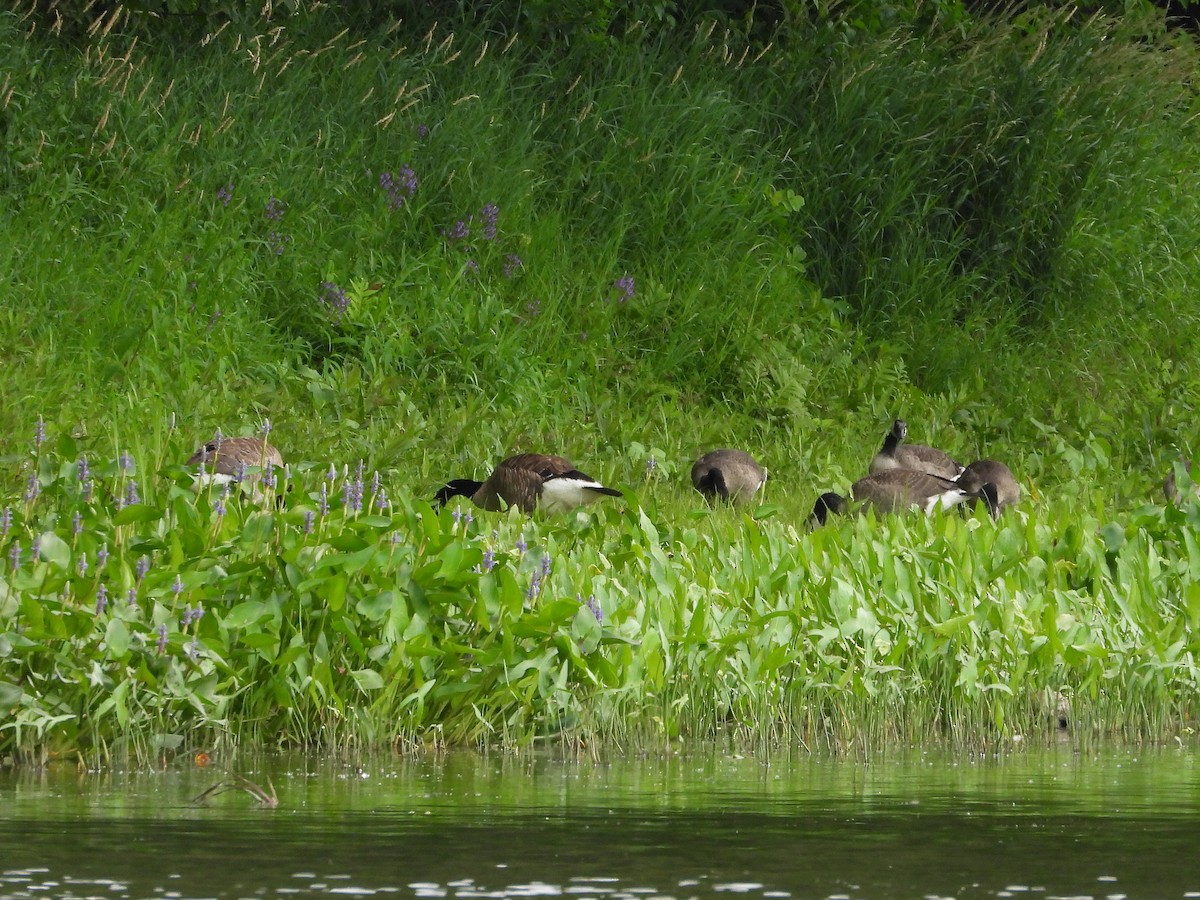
706 232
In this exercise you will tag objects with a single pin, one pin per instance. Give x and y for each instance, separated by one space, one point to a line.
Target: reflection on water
1047 823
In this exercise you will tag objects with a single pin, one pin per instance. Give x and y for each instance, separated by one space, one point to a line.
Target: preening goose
1171 488
991 471
529 481
895 454
896 490
227 459
732 475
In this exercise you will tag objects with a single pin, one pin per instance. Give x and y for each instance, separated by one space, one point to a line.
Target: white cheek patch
945 500
562 494
213 478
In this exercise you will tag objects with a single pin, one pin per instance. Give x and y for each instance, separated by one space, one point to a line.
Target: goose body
229 459
1171 488
895 454
984 471
898 490
732 475
529 481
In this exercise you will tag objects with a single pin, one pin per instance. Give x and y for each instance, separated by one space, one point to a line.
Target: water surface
1045 823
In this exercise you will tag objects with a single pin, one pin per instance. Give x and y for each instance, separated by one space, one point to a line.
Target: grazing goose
732 475
896 490
985 471
529 481
895 454
227 459
1171 489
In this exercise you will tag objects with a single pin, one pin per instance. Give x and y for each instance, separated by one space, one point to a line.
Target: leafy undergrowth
146 618
425 249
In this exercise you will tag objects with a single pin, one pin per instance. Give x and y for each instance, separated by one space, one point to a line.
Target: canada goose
984 471
732 475
1171 489
227 459
896 490
529 481
895 454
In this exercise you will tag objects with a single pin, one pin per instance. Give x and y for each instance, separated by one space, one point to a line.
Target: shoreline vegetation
408 250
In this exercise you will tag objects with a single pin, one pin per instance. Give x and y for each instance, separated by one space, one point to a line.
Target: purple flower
489 560
323 500
131 596
395 538
5 522
521 545
193 648
375 482
131 493
102 556
592 604
309 518
125 461
535 586
14 554
212 320
191 615
468 518
400 186
278 242
331 475
651 465
533 309
143 566
162 638
101 599
39 433
512 263
220 508
82 566
275 209
625 285
225 194
422 131
459 231
32 488
334 299
471 268
352 495
457 515
547 563
77 523
35 548
381 501
268 476
490 214
177 586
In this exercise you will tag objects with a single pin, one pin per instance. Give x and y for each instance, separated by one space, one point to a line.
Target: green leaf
137 512
367 679
244 614
117 638
55 550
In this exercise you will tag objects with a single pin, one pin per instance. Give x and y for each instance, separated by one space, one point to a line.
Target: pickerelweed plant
348 613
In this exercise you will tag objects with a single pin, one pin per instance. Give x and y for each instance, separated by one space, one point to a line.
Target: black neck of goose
713 482
990 496
827 503
459 487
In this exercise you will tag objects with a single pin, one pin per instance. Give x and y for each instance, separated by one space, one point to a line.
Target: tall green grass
628 258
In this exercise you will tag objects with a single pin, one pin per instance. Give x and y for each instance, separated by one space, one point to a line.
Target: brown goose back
732 475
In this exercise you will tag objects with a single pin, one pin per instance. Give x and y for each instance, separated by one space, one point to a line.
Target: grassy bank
416 252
